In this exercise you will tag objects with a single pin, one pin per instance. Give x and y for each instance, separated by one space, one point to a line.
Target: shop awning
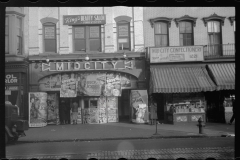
180 79
223 75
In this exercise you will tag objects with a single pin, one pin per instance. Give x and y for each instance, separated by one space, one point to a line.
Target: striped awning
223 75
180 79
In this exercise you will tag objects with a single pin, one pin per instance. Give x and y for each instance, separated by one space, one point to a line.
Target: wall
200 31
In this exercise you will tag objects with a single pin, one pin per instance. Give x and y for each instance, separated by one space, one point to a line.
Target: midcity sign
90 65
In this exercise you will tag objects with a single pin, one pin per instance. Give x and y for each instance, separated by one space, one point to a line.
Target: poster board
68 85
112 109
102 106
52 108
37 109
139 105
113 85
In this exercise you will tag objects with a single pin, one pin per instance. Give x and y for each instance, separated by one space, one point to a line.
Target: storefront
16 85
101 87
178 81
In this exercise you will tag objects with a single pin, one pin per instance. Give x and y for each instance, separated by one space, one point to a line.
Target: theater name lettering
90 65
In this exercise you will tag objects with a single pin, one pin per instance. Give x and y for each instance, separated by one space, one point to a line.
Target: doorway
124 106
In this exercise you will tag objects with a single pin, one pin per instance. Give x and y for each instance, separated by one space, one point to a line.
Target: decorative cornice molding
165 19
49 19
213 17
186 18
231 19
16 13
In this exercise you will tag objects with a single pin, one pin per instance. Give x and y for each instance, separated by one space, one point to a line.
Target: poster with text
52 109
44 84
79 116
113 85
102 118
93 113
55 82
37 109
125 81
112 109
139 104
91 84
68 85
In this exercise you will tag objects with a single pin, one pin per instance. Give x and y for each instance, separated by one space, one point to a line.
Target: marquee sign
90 65
84 19
176 54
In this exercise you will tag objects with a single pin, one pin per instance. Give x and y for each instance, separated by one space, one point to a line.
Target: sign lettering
11 78
84 19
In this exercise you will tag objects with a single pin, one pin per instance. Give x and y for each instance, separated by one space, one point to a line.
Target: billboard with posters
112 109
52 108
91 84
113 85
68 85
37 109
139 104
102 118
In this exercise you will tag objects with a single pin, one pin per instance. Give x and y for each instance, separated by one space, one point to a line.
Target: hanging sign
11 78
84 19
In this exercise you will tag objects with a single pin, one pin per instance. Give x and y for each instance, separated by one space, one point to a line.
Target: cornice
186 18
213 17
165 19
14 12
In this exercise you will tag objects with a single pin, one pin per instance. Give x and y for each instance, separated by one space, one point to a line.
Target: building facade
191 57
16 64
92 55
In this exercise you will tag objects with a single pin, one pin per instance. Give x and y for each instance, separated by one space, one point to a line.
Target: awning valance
223 75
180 79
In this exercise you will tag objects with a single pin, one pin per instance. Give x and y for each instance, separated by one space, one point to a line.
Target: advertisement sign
91 84
102 105
44 84
139 104
126 81
49 33
84 19
55 82
52 109
37 109
112 109
113 85
11 78
68 85
176 54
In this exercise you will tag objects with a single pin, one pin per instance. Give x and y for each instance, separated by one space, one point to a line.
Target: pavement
117 131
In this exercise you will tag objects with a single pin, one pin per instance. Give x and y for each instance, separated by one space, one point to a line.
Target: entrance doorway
124 106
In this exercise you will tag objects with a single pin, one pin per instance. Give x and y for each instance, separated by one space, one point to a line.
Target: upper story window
6 35
186 33
19 35
87 38
123 34
214 32
161 27
161 34
49 37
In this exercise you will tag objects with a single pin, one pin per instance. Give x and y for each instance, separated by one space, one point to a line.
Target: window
186 33
6 35
87 38
19 36
123 30
49 37
161 34
214 37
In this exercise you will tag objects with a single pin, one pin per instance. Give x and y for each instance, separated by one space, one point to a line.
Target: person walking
153 113
74 112
233 109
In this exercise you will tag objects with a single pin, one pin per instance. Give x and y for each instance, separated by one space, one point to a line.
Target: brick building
191 55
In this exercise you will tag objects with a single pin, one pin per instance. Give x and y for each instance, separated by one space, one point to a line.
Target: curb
122 138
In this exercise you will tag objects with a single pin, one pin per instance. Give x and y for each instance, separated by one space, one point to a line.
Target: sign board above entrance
176 54
84 19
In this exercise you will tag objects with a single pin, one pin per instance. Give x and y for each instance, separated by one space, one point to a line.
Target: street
189 148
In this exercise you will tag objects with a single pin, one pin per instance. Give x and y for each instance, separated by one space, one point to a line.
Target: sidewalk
111 131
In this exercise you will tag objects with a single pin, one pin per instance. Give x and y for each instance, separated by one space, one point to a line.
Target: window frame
7 33
86 38
19 36
192 33
214 33
128 37
167 25
44 25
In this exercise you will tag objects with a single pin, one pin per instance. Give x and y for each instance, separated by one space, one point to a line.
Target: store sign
176 54
90 65
11 78
84 19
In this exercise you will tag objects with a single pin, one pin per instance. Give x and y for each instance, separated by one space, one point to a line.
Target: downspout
133 29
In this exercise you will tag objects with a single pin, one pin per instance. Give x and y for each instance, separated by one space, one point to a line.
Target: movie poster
139 104
44 84
102 118
68 85
55 82
37 109
91 84
112 109
125 81
52 109
113 85
79 116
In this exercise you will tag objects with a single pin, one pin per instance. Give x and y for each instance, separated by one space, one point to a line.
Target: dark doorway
124 106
